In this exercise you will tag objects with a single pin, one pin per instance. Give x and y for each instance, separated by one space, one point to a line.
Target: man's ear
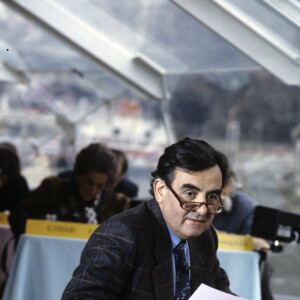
158 188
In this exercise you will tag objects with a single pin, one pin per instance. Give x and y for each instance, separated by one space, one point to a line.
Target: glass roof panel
285 31
141 26
37 49
26 46
173 40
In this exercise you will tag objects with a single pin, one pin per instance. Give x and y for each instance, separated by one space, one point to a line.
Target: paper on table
209 293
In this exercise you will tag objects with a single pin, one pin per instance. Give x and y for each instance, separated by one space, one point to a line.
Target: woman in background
13 186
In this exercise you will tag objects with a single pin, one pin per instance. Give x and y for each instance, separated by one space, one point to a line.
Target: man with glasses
165 247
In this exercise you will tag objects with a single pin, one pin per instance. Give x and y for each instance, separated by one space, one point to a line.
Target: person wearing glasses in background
237 218
166 247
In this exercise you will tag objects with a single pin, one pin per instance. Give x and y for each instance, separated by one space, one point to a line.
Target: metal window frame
249 36
290 9
132 69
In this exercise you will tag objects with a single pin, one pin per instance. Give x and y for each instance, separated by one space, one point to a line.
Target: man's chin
193 233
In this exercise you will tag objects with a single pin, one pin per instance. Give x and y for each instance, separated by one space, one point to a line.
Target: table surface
43 266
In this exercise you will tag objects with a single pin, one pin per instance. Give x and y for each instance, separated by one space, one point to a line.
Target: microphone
185 268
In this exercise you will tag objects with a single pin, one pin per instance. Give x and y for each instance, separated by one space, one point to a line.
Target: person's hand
220 231
258 243
261 245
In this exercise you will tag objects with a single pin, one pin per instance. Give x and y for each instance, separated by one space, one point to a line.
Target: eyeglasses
214 208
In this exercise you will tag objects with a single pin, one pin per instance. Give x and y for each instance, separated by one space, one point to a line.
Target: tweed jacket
130 257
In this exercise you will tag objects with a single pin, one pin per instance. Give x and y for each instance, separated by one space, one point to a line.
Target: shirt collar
174 238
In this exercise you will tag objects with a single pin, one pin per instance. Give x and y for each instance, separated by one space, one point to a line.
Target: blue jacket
239 219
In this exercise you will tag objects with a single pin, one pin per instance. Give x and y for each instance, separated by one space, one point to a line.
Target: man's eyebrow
190 186
216 191
194 187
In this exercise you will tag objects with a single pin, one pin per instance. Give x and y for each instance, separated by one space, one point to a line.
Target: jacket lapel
200 249
162 274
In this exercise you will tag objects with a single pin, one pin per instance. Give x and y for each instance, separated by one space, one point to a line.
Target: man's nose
202 210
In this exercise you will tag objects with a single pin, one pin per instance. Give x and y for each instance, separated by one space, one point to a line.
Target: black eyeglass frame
199 204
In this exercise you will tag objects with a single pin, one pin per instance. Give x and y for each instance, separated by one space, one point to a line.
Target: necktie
182 273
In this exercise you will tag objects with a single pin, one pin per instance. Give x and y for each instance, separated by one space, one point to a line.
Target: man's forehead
180 171
182 174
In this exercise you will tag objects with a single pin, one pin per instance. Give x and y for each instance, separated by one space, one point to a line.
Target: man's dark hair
96 157
191 155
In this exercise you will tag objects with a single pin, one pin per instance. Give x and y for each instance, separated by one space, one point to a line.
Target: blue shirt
175 241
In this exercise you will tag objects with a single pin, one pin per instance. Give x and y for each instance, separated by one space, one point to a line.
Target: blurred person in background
13 190
95 168
94 173
13 186
122 184
82 197
239 208
237 218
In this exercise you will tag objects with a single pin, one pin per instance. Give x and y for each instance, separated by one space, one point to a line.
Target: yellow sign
60 229
235 242
4 219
